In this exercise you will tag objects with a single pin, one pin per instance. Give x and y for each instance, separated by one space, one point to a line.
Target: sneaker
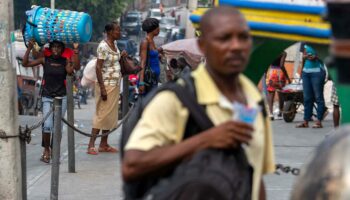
272 117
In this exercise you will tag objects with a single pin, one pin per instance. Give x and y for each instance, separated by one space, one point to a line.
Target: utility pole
191 5
10 154
52 4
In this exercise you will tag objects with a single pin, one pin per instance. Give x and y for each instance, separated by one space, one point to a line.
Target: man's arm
137 163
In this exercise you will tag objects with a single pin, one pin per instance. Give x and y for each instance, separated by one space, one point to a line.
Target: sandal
108 149
45 158
302 125
92 151
317 125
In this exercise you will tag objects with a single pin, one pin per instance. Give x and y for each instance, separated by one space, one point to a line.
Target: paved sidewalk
98 177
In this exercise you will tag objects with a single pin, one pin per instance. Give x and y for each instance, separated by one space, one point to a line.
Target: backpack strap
186 94
261 103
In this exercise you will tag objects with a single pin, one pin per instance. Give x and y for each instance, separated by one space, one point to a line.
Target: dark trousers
313 84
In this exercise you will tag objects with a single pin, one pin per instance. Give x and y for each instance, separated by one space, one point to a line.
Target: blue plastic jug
46 25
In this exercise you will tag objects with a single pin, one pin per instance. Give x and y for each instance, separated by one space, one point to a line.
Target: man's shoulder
164 98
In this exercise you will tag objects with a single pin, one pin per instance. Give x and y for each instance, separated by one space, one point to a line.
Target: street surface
98 177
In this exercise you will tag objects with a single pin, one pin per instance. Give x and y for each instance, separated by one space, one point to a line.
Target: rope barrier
25 132
102 135
35 126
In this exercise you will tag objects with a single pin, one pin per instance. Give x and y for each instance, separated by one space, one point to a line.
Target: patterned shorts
334 97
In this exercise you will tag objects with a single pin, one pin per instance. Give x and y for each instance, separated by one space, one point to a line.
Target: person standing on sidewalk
313 76
149 55
156 142
276 79
108 73
56 69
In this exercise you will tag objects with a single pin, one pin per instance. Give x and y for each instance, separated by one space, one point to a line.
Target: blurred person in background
108 73
313 76
56 67
150 56
276 79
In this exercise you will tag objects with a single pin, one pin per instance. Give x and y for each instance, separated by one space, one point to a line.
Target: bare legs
270 99
46 141
104 146
336 116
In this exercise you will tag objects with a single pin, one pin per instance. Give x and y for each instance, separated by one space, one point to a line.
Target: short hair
150 24
56 42
109 26
211 14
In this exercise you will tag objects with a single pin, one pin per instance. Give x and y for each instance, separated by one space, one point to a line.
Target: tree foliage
101 11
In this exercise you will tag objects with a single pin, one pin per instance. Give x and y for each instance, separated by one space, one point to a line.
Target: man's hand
228 135
103 93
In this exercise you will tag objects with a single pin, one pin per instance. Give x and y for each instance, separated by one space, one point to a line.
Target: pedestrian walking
56 68
156 142
150 57
313 76
108 73
276 79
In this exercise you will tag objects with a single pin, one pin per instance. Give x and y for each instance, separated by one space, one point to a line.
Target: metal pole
10 158
23 147
125 100
56 144
70 118
190 31
52 4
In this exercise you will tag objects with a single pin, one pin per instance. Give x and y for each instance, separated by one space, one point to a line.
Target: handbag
128 66
150 78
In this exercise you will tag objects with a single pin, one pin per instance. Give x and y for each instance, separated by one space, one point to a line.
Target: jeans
313 84
47 105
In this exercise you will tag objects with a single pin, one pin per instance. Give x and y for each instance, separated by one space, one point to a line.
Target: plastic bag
89 74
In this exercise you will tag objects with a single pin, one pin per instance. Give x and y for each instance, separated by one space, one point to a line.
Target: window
206 3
